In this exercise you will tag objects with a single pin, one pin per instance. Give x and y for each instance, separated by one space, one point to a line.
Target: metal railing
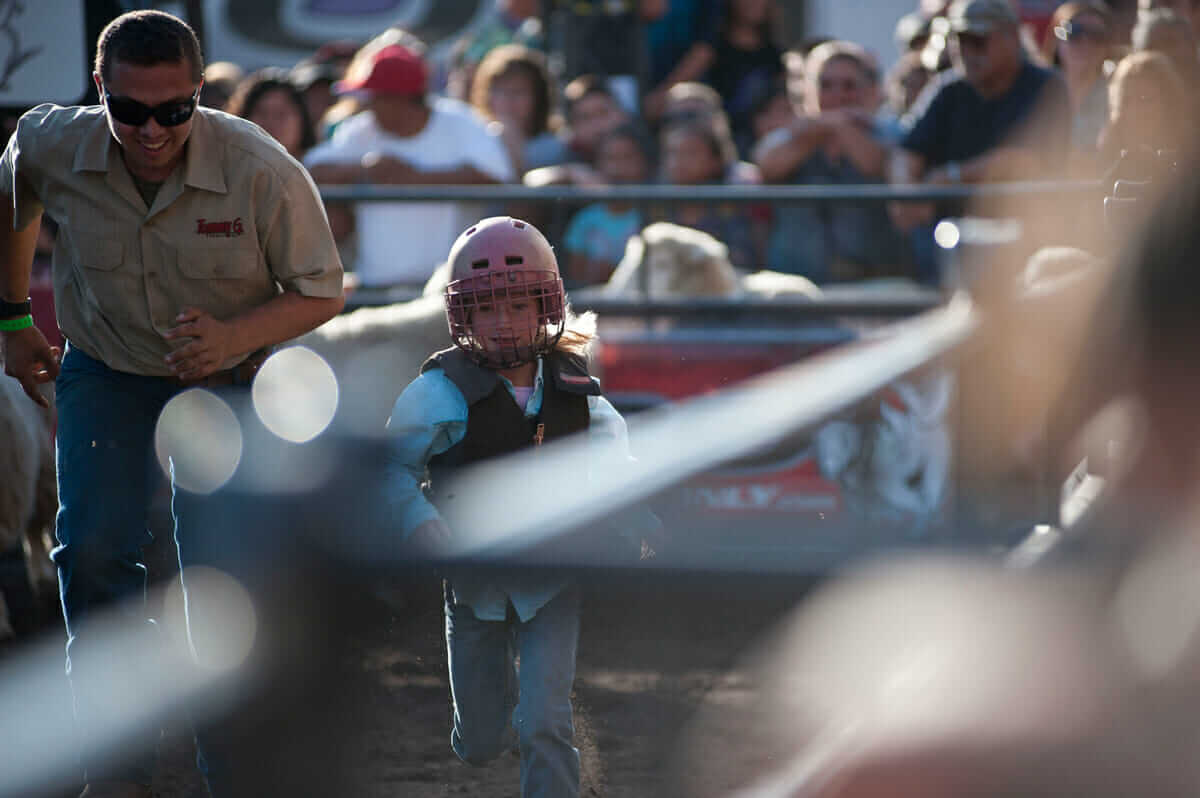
775 194
647 196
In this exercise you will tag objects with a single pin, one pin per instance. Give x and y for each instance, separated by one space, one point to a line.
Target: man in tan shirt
188 240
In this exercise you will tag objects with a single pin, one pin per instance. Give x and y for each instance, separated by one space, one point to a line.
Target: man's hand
430 537
30 359
211 344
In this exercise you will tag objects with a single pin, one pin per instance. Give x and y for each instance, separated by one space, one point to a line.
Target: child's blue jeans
492 701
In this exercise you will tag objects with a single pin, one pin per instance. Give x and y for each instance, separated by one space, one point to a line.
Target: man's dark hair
146 38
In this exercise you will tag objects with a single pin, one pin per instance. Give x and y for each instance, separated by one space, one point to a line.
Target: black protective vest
495 424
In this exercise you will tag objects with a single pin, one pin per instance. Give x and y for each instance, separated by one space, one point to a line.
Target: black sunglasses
168 114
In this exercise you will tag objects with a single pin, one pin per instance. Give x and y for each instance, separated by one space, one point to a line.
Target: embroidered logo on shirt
219 229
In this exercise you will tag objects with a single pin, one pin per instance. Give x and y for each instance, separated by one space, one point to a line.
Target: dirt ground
653 653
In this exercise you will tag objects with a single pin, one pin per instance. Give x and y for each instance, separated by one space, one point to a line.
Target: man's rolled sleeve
18 167
300 248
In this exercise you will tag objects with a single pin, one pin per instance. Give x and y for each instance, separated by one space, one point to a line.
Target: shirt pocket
98 259
223 278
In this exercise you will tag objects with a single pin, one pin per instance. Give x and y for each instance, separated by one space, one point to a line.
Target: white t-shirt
402 242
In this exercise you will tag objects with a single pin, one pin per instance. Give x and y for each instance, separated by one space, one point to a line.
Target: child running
517 376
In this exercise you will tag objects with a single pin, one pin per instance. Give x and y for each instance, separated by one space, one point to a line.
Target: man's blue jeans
491 699
107 476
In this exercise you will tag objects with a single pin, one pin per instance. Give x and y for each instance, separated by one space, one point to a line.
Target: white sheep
28 492
685 262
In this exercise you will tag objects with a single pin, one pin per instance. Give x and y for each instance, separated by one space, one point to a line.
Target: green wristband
19 323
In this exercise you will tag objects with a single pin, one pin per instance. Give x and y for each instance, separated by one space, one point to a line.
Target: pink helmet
496 262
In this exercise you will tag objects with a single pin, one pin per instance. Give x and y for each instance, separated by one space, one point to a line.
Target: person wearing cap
406 137
996 116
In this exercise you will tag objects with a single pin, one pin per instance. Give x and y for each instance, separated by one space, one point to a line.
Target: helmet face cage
487 323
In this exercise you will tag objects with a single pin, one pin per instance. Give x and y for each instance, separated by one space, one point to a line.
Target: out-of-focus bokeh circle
295 394
222 622
946 234
199 438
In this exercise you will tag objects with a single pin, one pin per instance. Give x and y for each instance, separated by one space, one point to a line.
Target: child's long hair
579 333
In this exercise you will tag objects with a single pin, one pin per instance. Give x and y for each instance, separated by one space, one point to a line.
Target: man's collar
93 151
201 159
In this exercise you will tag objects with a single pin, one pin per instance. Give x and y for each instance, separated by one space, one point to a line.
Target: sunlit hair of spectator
690 97
1149 106
793 70
511 70
841 75
697 149
269 99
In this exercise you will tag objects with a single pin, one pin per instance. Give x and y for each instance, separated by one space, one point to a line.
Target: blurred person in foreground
405 136
1078 43
270 100
1164 31
1150 110
949 676
997 116
189 244
836 141
1188 10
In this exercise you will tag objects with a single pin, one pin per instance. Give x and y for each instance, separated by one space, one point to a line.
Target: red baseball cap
394 69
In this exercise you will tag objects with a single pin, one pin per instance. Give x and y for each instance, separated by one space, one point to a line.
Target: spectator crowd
705 92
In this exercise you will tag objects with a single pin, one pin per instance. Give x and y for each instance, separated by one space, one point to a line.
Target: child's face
620 160
506 323
688 158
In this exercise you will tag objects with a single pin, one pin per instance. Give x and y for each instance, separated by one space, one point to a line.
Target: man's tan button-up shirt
237 223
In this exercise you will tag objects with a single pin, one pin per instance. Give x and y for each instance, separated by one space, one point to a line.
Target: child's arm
429 417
